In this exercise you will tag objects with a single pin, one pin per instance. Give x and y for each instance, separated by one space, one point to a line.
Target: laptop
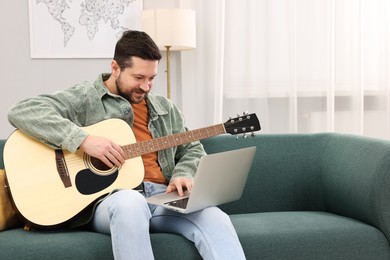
220 178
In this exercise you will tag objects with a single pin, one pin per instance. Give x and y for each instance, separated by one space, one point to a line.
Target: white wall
22 77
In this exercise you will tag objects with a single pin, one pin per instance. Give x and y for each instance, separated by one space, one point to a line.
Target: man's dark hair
135 44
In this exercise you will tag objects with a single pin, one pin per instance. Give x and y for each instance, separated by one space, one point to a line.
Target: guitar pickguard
87 182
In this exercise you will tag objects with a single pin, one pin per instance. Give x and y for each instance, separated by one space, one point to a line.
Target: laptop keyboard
180 203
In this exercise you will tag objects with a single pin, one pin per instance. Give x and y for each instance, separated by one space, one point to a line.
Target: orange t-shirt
153 171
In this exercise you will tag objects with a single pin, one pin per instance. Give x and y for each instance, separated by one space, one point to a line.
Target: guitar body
49 187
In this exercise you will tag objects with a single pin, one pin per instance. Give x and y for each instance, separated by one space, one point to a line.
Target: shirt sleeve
52 119
187 156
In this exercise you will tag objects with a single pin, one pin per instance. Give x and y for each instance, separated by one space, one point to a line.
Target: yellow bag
8 215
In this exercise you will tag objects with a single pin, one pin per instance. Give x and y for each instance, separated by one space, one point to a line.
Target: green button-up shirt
57 120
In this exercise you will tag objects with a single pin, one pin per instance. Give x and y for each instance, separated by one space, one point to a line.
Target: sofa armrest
356 179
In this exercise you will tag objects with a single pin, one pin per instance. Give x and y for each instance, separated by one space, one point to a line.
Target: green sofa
308 196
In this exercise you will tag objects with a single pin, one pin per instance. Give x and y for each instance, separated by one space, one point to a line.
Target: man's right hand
103 149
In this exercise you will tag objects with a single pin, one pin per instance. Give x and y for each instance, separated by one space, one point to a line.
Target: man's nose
145 86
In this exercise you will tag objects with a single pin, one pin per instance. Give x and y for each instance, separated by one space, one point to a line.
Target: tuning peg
245 113
237 137
245 135
253 134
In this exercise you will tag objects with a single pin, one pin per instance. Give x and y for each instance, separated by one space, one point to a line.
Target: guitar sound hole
98 164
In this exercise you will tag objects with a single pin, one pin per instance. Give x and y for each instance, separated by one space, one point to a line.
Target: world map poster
80 28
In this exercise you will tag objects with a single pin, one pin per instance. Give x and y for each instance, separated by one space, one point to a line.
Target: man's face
135 83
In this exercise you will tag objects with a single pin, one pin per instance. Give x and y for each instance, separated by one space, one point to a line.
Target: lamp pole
172 30
167 47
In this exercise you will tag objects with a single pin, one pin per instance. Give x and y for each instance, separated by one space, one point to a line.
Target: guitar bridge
62 169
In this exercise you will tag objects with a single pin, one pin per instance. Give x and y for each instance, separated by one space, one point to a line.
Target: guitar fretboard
161 143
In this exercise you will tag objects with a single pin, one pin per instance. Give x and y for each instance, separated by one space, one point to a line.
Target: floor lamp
172 30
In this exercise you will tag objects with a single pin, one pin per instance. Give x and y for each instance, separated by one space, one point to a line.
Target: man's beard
132 95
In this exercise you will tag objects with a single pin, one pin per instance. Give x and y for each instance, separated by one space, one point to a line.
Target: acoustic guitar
49 187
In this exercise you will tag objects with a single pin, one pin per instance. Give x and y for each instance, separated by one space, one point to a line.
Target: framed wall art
80 28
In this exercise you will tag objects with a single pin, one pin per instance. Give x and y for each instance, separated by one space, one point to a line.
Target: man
125 93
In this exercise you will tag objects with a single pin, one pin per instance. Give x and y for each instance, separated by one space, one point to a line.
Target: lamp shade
175 28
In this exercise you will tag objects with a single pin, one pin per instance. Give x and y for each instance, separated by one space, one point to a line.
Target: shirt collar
99 84
155 106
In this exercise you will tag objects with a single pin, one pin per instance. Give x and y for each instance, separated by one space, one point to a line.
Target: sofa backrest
285 175
2 143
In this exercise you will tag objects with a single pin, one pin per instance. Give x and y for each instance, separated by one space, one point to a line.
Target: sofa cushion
83 244
308 235
61 244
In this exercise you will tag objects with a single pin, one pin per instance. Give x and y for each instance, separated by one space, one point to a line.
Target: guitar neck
161 143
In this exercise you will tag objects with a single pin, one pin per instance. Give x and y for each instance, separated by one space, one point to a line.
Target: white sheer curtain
302 65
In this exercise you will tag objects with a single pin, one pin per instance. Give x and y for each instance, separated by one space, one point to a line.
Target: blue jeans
127 216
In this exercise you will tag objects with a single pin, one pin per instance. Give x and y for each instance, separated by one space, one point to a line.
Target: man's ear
115 69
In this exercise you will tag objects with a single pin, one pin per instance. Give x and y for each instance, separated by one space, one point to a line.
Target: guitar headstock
247 123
